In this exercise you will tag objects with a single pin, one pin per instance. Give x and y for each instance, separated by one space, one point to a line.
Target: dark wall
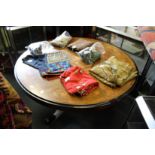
23 37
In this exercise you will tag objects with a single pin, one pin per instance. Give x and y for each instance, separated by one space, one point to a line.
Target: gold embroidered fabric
114 72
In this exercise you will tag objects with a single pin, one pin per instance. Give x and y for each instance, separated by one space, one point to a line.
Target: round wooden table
52 92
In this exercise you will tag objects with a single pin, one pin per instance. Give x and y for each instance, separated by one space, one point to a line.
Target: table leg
144 73
128 115
54 116
152 89
57 31
44 32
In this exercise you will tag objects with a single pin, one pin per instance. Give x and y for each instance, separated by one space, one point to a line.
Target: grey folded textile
79 44
91 54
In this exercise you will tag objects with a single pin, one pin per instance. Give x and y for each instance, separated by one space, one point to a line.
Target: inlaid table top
52 92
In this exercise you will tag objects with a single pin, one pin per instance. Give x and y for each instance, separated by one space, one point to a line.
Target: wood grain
53 91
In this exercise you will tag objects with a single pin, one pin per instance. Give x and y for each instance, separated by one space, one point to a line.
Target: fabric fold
79 44
49 64
91 54
62 40
114 72
78 82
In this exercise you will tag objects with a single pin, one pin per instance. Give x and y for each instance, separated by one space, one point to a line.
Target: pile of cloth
89 51
78 82
62 40
40 48
79 45
113 72
91 54
48 60
49 64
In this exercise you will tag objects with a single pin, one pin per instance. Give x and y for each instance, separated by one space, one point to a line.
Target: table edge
65 105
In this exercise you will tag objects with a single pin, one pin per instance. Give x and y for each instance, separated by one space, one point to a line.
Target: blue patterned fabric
54 68
49 64
36 62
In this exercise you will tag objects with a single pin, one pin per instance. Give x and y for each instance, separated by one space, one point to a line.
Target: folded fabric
39 48
36 62
78 82
49 64
147 34
91 54
14 113
56 63
113 72
79 44
62 40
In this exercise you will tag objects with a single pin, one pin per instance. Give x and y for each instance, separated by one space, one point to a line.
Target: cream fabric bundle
62 40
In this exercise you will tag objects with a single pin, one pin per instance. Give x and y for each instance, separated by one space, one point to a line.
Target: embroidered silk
113 72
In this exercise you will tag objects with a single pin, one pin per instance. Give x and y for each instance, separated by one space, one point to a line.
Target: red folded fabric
78 82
